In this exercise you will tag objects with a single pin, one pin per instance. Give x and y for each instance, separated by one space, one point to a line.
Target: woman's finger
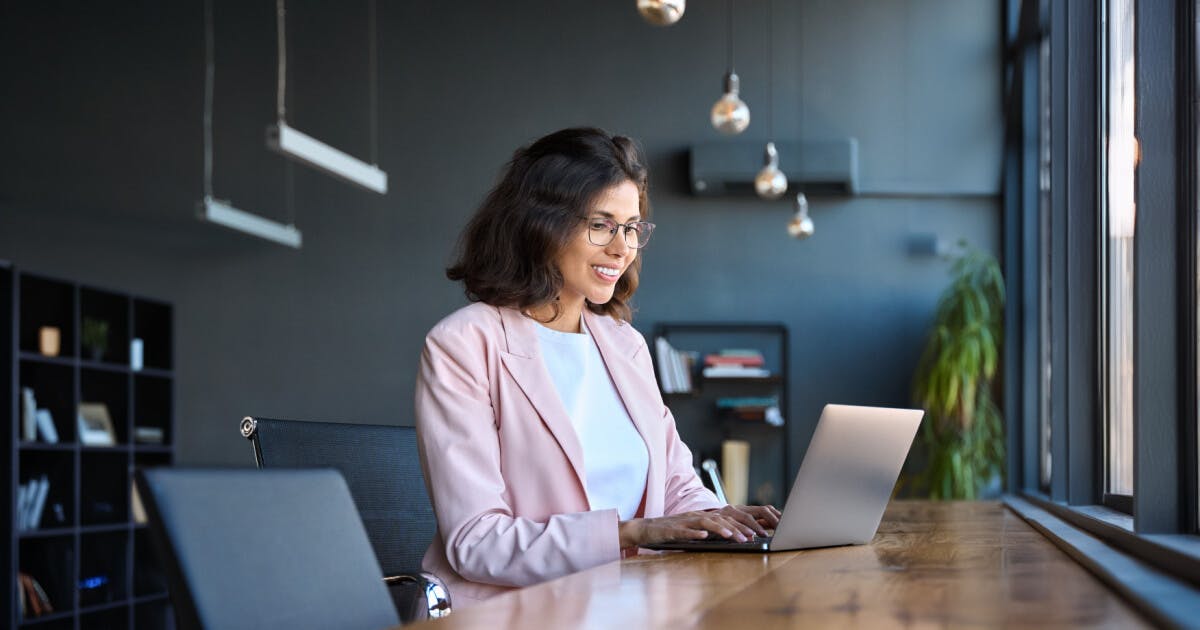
767 513
720 525
744 518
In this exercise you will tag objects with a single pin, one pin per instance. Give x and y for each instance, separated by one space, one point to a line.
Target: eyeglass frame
614 226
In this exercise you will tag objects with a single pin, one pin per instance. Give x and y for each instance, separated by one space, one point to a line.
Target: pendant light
770 183
307 150
222 212
661 12
801 226
730 115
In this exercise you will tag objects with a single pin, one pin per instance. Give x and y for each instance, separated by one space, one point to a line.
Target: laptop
843 485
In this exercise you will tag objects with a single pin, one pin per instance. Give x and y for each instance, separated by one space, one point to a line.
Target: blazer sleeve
684 491
460 452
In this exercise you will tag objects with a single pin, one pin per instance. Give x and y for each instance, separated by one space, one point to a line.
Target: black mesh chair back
383 470
263 549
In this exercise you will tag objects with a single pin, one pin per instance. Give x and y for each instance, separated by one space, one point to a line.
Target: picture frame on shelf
95 425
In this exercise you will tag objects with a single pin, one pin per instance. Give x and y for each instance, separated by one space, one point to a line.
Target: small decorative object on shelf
95 337
95 425
49 341
735 468
135 354
148 435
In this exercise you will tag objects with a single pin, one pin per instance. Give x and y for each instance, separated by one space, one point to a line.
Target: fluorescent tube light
321 156
226 215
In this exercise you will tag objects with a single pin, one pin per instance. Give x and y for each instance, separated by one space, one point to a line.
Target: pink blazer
503 463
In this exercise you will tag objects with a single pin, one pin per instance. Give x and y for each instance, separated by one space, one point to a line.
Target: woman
544 440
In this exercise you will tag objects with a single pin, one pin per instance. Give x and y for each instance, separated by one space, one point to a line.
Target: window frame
1165 506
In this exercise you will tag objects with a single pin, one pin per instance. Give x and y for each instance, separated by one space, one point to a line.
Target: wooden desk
930 565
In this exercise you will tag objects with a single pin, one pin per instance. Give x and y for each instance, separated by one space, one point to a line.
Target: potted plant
95 337
963 431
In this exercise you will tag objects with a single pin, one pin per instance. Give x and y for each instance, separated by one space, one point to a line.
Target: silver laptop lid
846 477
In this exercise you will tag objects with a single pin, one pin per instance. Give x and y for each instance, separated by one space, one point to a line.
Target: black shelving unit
704 427
94 562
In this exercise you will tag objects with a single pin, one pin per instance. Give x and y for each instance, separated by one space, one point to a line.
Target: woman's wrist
629 532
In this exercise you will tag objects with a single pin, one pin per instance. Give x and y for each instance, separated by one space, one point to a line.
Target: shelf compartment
152 324
104 493
153 407
53 387
110 310
46 302
110 389
58 469
103 568
154 614
149 580
51 562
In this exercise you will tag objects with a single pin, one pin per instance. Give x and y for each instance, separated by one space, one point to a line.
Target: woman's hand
738 523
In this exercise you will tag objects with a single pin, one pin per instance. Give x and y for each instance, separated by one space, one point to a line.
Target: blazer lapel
524 362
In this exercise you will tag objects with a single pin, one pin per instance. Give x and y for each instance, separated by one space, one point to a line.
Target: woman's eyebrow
608 215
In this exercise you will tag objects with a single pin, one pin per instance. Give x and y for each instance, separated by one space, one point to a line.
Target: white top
614 455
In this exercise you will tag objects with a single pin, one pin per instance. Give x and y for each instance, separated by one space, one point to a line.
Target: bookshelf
75 535
704 426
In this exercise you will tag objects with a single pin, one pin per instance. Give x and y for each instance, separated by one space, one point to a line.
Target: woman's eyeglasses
602 230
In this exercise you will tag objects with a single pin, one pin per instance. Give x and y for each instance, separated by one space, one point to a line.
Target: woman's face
591 271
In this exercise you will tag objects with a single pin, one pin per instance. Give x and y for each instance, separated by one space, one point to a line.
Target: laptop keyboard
757 540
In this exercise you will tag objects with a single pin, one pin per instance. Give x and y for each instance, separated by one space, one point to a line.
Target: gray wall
102 168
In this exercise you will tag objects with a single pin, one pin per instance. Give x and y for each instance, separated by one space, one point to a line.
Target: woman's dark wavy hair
506 253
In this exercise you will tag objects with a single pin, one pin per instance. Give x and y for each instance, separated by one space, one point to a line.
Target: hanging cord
281 41
209 71
770 70
289 191
729 36
373 82
799 74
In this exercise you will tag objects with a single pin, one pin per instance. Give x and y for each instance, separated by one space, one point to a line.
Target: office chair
246 548
382 468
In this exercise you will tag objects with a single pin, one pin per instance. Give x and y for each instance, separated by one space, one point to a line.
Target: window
1118 232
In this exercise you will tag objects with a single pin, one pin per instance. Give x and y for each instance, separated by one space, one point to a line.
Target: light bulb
801 226
661 12
770 183
730 115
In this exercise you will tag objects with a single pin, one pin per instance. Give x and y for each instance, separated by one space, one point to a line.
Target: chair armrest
418 596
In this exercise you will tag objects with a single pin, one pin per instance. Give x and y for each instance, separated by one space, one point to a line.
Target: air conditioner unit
828 167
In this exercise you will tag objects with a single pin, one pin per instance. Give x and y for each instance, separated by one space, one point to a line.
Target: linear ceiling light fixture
223 214
220 212
309 151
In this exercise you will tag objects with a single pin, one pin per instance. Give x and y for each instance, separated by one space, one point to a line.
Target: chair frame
436 596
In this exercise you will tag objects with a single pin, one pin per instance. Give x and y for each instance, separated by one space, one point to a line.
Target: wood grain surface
930 565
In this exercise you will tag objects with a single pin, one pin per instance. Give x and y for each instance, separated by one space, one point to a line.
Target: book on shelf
31 502
747 361
735 363
135 505
28 415
674 367
735 371
34 601
45 426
